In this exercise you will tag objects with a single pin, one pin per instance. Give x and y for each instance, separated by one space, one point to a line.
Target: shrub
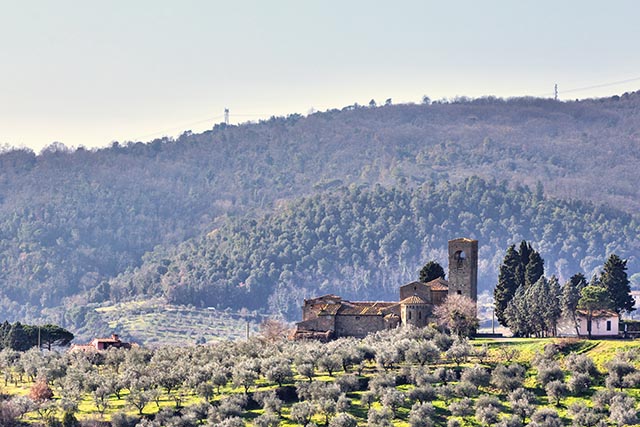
548 373
381 418
545 417
462 407
579 383
580 363
487 409
344 420
583 416
556 390
508 378
423 393
267 419
623 410
522 403
476 375
123 420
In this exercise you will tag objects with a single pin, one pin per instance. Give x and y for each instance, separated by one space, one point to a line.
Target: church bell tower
463 267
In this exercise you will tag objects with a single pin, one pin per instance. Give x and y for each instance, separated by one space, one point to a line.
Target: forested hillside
364 244
70 220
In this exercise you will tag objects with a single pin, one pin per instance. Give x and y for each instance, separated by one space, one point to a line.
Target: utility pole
226 116
493 321
555 92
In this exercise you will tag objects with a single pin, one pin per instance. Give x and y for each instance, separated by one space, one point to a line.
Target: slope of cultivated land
190 363
155 323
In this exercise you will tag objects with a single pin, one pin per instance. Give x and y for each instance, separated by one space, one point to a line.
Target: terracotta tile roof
361 308
329 309
438 284
413 299
109 340
324 298
599 313
82 347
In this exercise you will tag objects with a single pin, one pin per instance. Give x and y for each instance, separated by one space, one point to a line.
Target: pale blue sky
88 73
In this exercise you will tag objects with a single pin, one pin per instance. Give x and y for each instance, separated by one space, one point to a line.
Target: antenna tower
226 116
555 92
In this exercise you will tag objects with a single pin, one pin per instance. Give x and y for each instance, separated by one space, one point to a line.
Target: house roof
82 347
413 299
598 313
438 284
363 308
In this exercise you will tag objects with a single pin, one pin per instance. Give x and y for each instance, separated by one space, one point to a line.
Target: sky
87 73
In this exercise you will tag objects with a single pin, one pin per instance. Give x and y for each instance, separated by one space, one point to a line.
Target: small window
409 315
459 292
357 317
608 325
419 315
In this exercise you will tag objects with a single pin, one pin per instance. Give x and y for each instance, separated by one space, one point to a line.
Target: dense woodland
73 219
366 243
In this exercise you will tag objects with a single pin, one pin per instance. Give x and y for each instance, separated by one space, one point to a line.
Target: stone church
329 316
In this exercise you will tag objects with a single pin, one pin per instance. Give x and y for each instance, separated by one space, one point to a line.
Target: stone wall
415 288
358 326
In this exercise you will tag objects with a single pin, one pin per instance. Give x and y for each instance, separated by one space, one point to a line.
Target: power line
179 127
225 116
580 89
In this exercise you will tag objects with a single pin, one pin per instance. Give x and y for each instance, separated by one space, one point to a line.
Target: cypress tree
534 268
614 279
5 327
553 311
507 283
522 267
523 252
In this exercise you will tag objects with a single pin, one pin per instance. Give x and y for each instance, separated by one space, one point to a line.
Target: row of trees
530 304
21 337
419 376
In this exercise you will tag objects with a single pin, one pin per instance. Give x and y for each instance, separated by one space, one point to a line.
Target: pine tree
614 279
18 338
593 297
431 271
571 296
